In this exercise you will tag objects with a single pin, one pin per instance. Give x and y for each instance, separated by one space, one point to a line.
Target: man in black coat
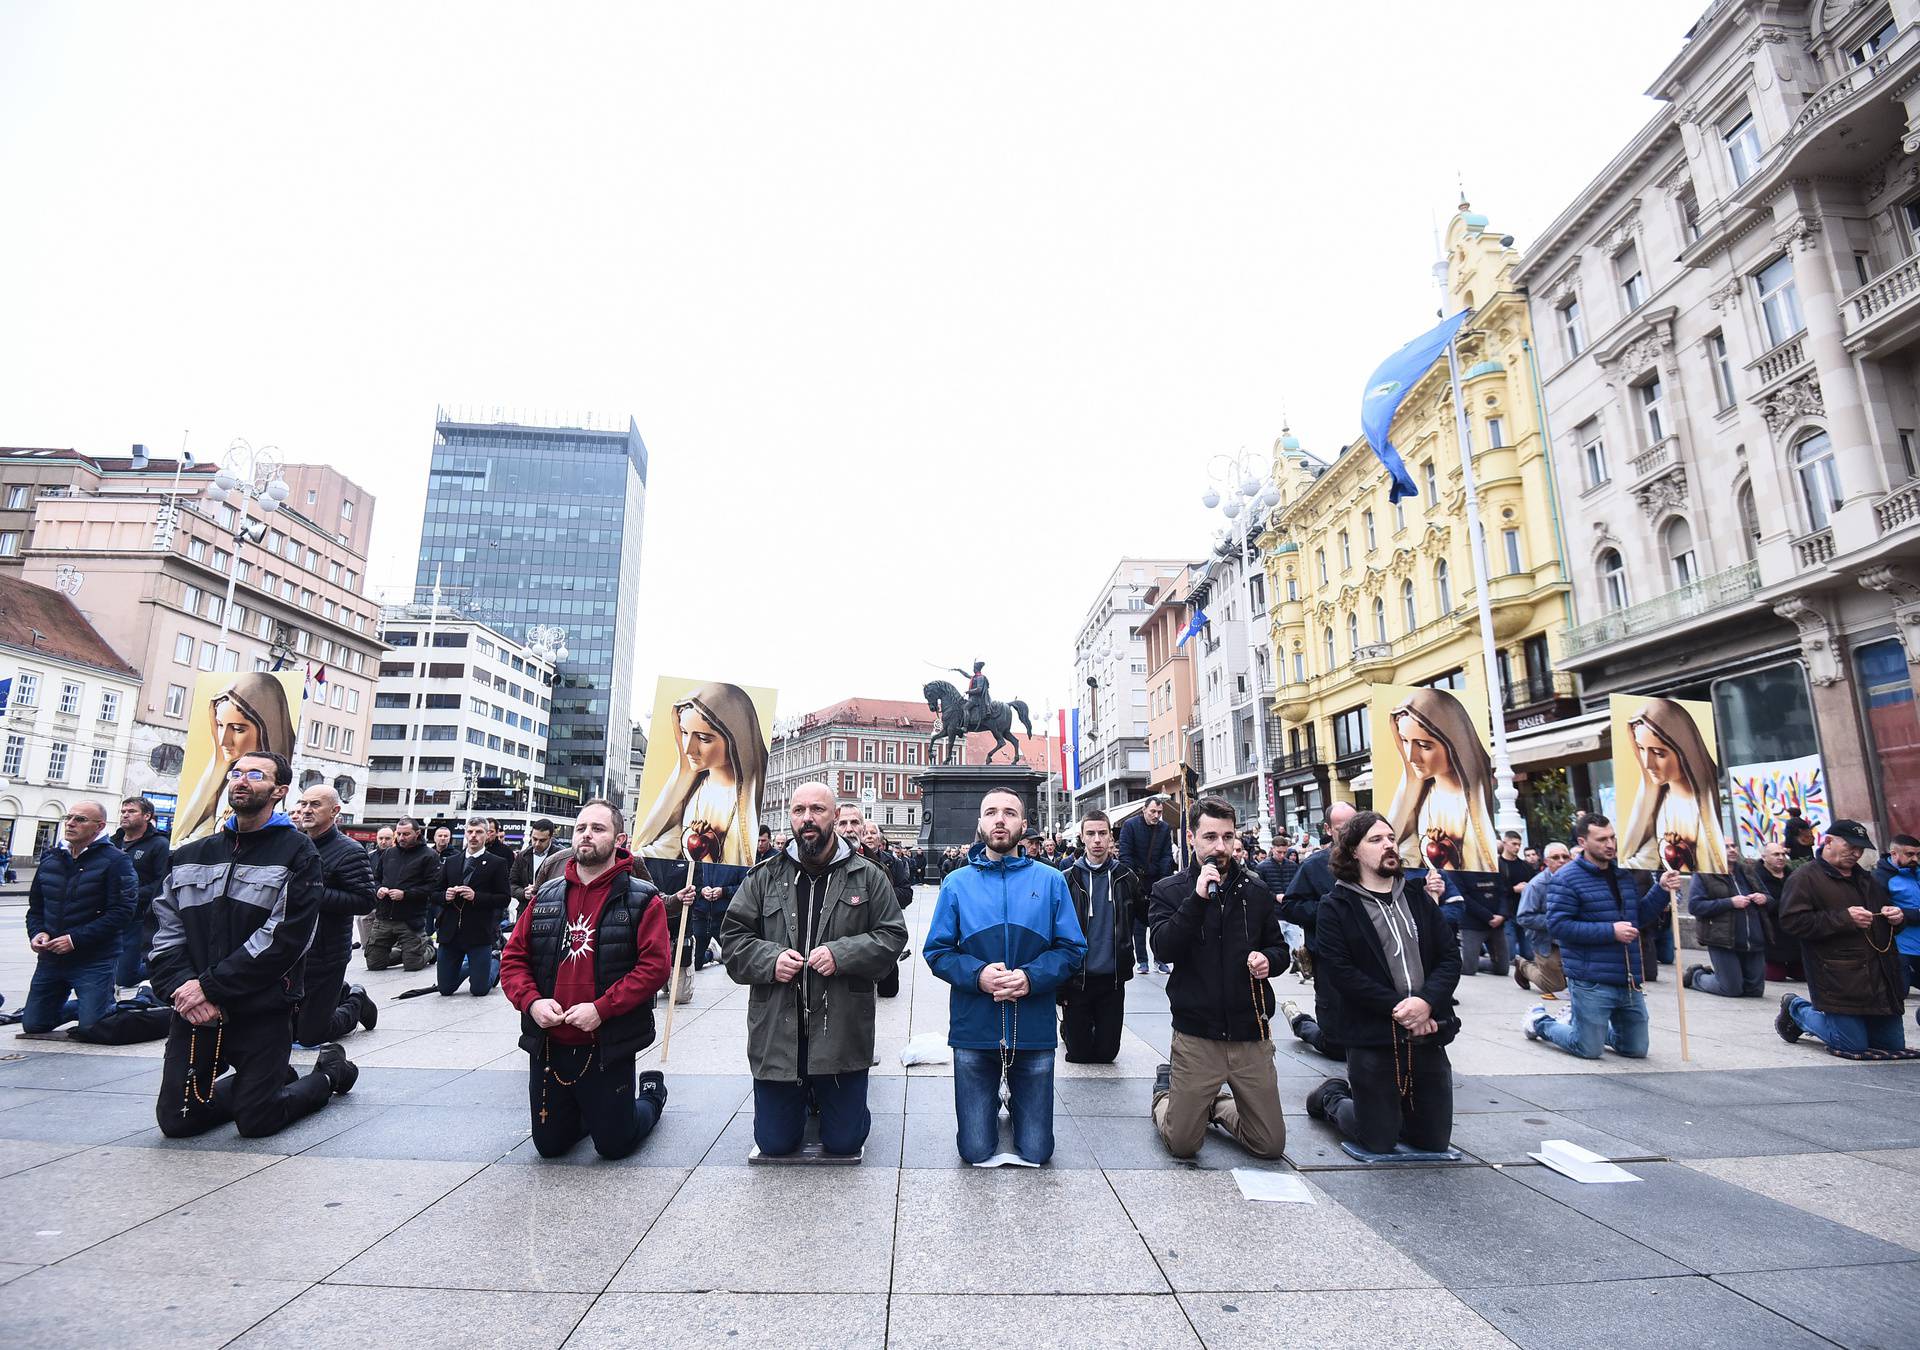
1110 900
332 1008
141 840
1219 924
526 863
406 878
473 885
1146 850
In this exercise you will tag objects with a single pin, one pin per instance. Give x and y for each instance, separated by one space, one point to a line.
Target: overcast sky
927 313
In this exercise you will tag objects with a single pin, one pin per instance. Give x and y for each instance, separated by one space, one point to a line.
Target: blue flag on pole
1389 385
1194 626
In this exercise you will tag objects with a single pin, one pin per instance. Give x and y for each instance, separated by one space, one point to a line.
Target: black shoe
369 1011
653 1085
1790 1030
340 1071
1162 1080
1322 1100
1518 978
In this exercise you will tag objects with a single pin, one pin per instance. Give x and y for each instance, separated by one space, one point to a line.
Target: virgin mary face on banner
1442 813
709 810
1675 819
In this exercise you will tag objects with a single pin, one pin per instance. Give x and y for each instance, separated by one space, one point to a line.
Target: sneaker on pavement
369 1011
1291 1011
340 1071
1531 1019
1140 969
653 1084
1783 1022
1324 1098
1164 968
1162 1081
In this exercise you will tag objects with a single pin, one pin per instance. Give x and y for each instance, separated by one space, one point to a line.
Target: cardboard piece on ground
1580 1164
1279 1187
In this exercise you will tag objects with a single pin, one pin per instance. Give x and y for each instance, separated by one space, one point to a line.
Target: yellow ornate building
1369 591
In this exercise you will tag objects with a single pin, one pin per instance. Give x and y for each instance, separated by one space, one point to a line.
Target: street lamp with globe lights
1241 491
246 475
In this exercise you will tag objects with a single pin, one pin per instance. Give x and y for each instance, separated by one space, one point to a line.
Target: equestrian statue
973 711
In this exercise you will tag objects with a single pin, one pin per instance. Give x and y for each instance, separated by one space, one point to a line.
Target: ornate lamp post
246 475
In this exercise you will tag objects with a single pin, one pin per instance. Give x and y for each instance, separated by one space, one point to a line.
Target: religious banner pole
679 940
1679 985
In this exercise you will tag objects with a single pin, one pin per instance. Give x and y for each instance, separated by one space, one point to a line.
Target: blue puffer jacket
90 899
1019 913
1582 908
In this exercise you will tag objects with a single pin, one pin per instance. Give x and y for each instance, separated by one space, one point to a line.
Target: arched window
1613 580
1819 478
1749 522
1681 562
1409 611
1353 631
1379 619
1443 586
1329 651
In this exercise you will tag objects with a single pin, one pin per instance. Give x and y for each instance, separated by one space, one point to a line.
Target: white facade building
1233 678
460 725
1110 685
68 724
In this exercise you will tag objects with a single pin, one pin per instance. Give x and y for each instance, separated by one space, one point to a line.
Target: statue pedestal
950 799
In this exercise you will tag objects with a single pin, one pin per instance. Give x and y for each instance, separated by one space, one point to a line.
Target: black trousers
1091 1021
263 1095
1309 1031
1377 1116
326 1013
574 1094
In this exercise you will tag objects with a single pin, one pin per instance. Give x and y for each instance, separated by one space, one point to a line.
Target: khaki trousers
1543 972
1251 1115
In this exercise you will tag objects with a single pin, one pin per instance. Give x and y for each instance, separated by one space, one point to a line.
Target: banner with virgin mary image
1432 768
1666 782
699 796
232 713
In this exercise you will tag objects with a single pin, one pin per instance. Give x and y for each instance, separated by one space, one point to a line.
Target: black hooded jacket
1354 962
1211 992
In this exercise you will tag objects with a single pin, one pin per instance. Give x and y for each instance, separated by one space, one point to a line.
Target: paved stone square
1777 1206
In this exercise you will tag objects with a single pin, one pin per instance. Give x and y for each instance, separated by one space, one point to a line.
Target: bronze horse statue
951 704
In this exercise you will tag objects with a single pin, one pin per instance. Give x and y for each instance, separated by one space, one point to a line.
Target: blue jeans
131 966
976 1101
480 970
1842 1031
780 1113
1522 940
1604 1016
89 977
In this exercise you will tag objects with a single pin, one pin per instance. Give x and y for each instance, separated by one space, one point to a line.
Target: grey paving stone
70 1070
320 1212
143 1083
1478 1096
477 1133
339 1114
738 1321
1132 1143
1745 1087
80 1118
1084 1321
1575 1091
1205 1236
682 1139
1876 1123
11 1097
1867 1306
67 1205
882 1148
1904 1159
521 1228
1710 1225
13 1270
1677 1130
1476 1226
1847 1188
1618 1314
1407 1319
404 1319
770 1230
1508 1138
17 1155
67 1308
998 1230
1104 1096
1156 1029
474 1087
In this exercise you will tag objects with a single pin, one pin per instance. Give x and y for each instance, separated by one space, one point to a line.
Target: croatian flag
1388 388
316 683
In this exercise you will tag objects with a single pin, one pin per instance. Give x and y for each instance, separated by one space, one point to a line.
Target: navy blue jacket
1147 850
1582 908
90 899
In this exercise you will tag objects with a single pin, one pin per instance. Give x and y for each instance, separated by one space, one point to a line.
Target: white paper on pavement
1581 1164
1281 1187
1006 1160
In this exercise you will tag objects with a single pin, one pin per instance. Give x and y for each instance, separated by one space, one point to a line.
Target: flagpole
1506 814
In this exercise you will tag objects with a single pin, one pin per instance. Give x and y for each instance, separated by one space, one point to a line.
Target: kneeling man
1219 925
583 964
811 930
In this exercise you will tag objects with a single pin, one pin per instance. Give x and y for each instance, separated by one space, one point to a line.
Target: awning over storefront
1362 781
1570 740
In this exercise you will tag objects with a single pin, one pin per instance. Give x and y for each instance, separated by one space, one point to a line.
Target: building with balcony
1730 331
460 726
167 579
1169 680
1232 678
1368 591
66 723
1110 685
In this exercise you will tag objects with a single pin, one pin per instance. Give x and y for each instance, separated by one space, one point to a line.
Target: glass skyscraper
531 525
